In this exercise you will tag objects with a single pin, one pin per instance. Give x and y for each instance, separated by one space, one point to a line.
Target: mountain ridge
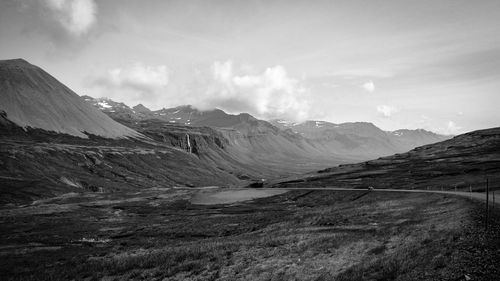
356 141
275 122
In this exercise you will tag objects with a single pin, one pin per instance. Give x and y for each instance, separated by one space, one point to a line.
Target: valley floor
159 234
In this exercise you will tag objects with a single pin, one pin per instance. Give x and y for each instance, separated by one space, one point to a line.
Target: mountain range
349 141
54 142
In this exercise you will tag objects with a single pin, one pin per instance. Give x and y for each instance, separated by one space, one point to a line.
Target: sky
431 64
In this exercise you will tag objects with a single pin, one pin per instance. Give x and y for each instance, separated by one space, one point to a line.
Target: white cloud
386 110
270 94
76 16
451 129
369 86
133 84
139 75
223 71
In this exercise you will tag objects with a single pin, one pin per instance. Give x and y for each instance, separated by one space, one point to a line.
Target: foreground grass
301 235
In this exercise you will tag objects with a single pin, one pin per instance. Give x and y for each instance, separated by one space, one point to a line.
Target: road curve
472 195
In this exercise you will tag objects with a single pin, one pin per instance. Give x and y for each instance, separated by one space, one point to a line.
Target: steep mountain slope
38 164
462 162
32 98
253 154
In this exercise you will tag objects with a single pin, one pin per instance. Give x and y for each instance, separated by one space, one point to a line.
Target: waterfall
189 144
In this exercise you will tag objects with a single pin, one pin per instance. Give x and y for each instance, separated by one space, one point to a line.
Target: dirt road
472 195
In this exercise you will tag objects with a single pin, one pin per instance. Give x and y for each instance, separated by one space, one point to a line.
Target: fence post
487 202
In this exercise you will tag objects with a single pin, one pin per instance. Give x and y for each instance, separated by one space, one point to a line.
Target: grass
322 235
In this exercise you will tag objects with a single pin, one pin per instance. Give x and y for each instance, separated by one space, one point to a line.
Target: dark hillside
464 161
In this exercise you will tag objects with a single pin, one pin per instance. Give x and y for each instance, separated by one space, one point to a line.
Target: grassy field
299 235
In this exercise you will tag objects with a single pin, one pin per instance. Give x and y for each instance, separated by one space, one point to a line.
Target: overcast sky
432 64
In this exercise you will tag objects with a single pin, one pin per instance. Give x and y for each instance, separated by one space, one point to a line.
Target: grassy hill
461 162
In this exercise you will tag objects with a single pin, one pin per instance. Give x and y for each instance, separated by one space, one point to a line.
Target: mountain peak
33 98
141 108
16 63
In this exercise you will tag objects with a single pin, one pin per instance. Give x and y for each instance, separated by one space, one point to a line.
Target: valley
92 189
223 140
158 234
463 163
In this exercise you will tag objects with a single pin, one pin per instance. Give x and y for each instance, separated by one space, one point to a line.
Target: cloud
132 84
386 110
75 16
270 94
57 28
451 129
139 76
369 86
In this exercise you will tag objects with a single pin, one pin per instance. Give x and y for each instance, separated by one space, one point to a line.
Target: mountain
181 115
409 139
141 109
361 140
250 142
346 141
109 106
464 161
30 97
54 142
302 145
40 164
354 138
215 118
118 109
